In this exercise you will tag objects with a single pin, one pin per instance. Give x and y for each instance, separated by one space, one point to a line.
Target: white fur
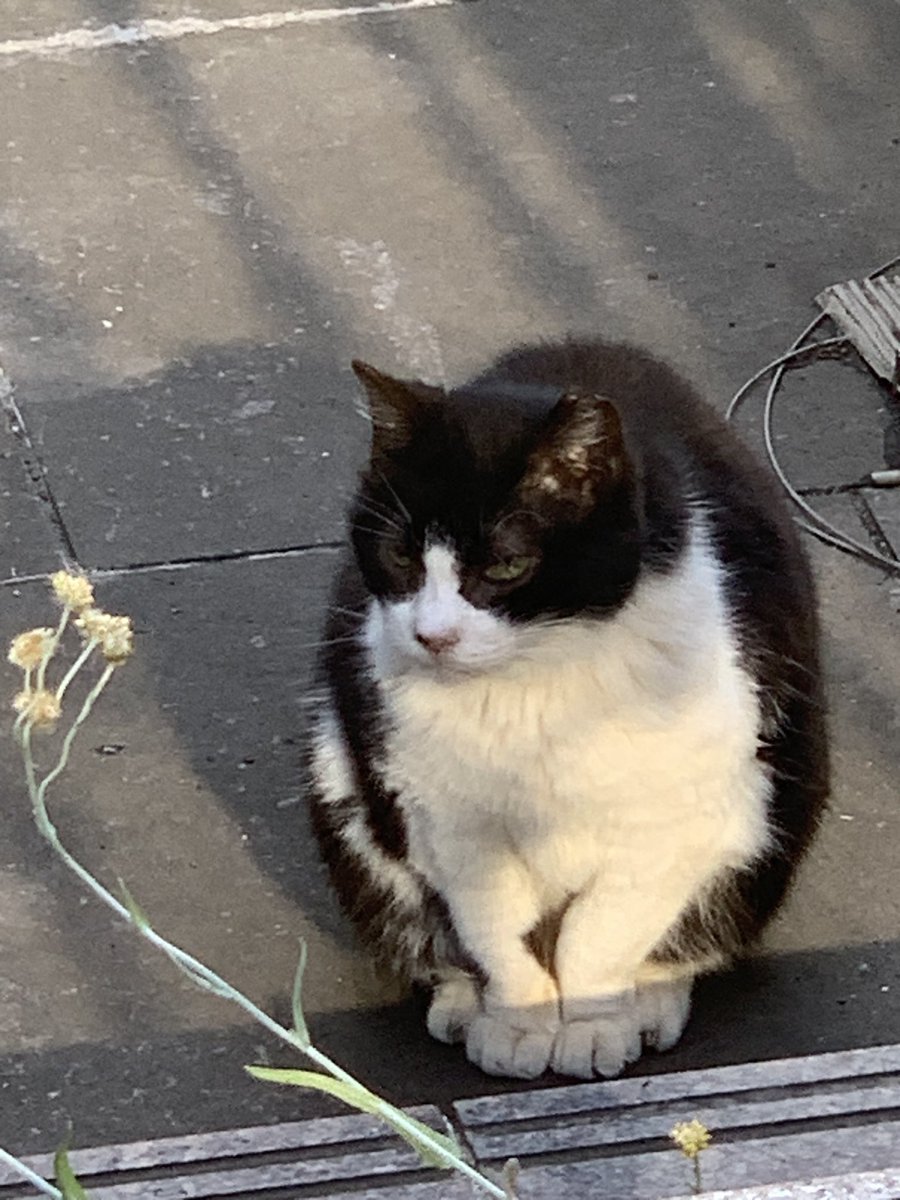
610 761
438 610
330 762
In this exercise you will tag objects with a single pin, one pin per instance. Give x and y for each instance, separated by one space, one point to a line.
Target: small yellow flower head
40 708
73 591
691 1137
29 648
111 632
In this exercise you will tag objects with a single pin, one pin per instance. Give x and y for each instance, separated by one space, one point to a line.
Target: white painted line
57 45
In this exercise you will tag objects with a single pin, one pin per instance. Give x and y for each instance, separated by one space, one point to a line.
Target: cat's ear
392 406
581 454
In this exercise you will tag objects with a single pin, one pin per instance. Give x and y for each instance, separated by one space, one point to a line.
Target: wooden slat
867 311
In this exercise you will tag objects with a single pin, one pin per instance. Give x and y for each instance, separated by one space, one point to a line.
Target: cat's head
486 514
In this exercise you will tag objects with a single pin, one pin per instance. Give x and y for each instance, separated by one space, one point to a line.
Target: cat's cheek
487 640
387 634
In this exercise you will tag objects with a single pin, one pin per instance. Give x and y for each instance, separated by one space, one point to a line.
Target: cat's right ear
581 454
392 406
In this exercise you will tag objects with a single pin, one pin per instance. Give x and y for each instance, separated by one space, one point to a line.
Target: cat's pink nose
438 643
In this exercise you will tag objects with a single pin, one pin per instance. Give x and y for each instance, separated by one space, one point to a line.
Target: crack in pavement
185 564
34 468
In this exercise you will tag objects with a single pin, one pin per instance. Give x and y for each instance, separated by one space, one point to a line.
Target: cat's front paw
600 1044
663 1009
602 1036
455 1004
514 1042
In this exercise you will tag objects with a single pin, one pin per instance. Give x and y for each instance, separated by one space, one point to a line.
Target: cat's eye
400 558
508 569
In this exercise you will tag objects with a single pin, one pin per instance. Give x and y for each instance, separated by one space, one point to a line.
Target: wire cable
816 525
790 357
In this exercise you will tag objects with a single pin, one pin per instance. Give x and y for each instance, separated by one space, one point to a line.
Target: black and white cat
573 745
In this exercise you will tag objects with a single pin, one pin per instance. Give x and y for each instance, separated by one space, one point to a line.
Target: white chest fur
622 750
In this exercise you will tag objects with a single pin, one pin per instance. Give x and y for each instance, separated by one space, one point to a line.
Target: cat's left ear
581 453
393 404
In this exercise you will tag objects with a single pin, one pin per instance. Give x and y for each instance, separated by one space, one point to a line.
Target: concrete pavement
197 232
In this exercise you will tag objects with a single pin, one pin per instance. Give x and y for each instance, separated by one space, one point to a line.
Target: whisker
335 641
385 516
347 612
375 505
404 510
368 529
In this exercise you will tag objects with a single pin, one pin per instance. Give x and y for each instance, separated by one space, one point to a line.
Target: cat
572 740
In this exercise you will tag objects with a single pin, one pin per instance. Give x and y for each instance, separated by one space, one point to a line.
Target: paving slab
832 423
237 450
41 18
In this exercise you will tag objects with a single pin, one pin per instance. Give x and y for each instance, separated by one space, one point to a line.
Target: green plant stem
197 971
20 719
76 666
51 649
698 1182
63 760
35 1180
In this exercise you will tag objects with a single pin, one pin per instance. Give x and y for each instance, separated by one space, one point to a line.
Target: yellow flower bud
29 648
691 1137
111 632
40 708
73 591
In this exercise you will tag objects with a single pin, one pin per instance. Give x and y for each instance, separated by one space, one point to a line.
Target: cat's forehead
458 470
496 414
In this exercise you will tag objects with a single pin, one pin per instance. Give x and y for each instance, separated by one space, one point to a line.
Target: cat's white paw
513 1042
663 1009
601 1037
602 1044
455 1004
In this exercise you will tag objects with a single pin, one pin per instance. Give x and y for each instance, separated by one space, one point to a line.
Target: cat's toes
512 1043
600 1045
663 1009
454 1005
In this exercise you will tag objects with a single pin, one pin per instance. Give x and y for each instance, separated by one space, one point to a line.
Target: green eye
510 568
399 559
